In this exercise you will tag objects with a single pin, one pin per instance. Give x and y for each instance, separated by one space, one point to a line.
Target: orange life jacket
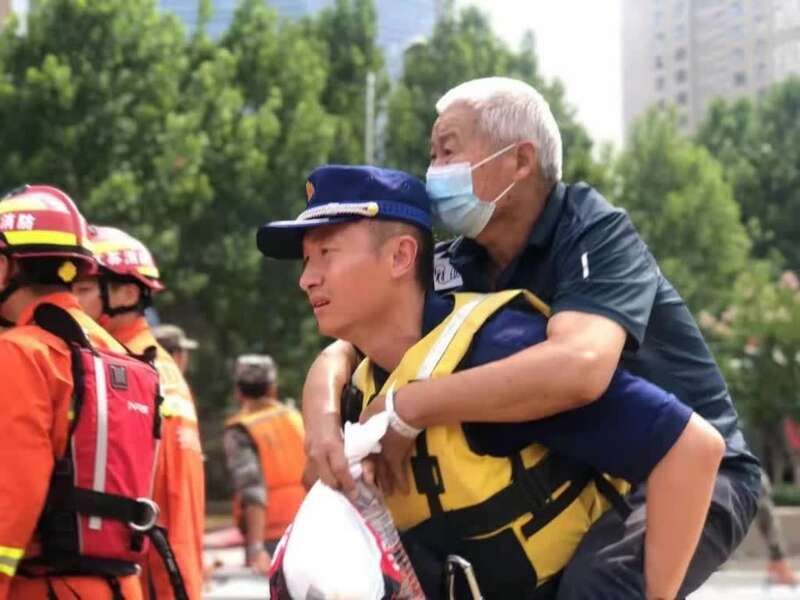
37 395
277 433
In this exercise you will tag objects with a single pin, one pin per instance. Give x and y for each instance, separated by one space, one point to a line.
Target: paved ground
743 580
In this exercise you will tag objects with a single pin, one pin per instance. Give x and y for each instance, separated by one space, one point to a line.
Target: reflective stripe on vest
531 508
9 559
177 397
101 444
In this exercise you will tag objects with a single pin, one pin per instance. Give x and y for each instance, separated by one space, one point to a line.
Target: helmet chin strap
13 286
117 310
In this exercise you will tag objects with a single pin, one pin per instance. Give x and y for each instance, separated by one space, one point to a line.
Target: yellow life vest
517 519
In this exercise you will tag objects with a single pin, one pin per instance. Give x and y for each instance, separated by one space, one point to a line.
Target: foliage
189 144
677 198
759 145
348 33
786 495
758 342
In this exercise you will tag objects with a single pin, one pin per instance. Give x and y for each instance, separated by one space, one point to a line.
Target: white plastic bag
329 552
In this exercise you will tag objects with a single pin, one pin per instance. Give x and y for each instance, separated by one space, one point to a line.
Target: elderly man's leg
609 562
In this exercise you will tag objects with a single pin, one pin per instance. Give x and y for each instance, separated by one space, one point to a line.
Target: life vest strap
513 501
158 536
612 494
427 475
57 321
77 566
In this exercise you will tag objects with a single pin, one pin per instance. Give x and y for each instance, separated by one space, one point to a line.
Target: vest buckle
150 513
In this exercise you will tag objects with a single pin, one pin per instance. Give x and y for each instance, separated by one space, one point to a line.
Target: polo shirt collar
545 226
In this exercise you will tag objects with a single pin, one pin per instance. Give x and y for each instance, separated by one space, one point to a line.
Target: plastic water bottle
374 511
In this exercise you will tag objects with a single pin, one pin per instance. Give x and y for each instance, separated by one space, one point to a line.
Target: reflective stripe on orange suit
179 486
277 432
36 394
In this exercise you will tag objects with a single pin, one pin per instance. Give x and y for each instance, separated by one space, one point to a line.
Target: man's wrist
396 421
254 549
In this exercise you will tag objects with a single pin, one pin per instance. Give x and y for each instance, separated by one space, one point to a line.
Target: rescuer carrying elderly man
513 498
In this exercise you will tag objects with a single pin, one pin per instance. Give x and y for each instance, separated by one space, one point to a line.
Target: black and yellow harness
517 519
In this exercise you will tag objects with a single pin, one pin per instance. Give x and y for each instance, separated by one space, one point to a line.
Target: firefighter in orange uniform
118 297
42 250
264 452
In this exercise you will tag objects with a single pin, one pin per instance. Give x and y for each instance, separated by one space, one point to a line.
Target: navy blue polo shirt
584 254
625 433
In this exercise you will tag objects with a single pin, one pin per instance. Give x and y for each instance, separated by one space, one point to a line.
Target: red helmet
125 256
42 221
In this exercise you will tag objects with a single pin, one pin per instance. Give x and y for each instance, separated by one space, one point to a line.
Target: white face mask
454 203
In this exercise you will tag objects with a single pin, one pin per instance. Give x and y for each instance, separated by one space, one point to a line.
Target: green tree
90 86
463 46
757 342
677 198
347 33
759 145
260 100
187 143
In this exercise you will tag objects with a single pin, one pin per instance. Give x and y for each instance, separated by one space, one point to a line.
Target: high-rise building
687 52
400 23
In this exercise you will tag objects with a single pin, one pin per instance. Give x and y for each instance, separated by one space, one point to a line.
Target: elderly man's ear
527 161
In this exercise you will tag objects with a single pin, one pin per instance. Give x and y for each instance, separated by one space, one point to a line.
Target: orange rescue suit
36 394
179 487
277 433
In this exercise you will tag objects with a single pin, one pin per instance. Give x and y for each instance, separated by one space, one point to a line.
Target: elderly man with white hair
495 181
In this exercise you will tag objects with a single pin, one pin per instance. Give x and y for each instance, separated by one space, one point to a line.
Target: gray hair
510 110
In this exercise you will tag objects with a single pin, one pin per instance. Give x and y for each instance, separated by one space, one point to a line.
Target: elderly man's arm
571 368
322 391
606 285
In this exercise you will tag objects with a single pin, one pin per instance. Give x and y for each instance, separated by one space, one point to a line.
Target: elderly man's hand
325 452
391 465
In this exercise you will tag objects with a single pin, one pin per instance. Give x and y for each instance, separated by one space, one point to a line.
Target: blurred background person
173 339
778 568
264 453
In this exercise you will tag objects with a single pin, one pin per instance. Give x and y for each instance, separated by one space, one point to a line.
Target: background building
687 52
400 23
8 6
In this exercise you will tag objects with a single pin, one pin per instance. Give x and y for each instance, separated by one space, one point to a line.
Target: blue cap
341 193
